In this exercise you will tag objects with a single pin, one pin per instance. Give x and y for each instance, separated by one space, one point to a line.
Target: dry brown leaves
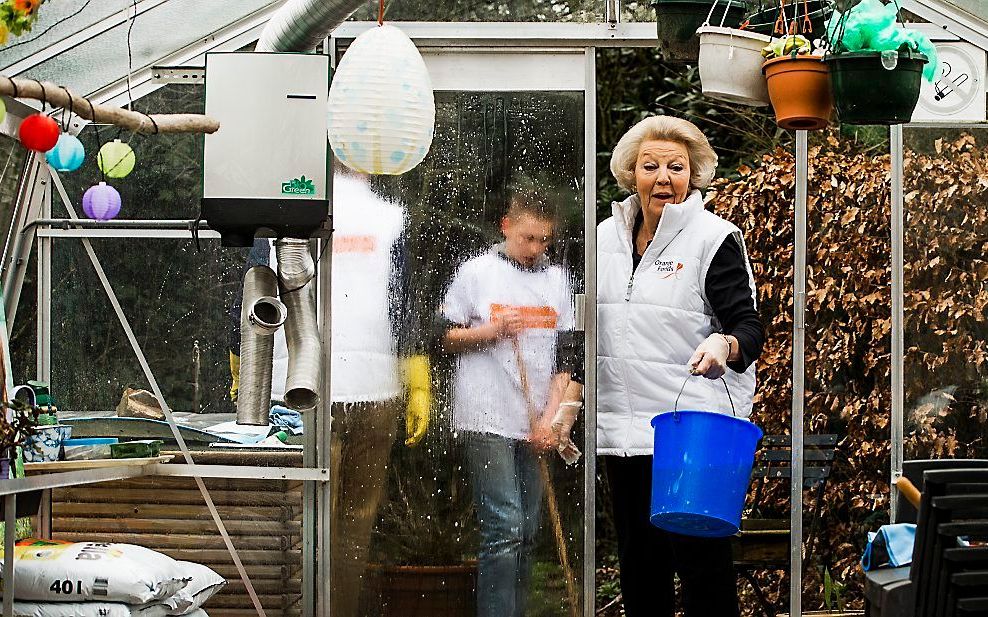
848 327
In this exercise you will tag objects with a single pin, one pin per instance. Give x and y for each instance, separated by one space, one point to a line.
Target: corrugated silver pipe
300 25
261 316
295 264
301 328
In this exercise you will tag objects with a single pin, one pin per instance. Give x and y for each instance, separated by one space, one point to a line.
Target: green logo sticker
298 186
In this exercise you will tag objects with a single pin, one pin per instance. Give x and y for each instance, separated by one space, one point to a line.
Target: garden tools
550 493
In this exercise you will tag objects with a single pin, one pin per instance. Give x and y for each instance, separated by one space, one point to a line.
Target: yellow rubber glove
419 383
234 376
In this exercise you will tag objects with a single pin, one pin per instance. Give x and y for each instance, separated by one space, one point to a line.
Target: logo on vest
668 268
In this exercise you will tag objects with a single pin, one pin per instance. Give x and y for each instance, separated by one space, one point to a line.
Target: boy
504 314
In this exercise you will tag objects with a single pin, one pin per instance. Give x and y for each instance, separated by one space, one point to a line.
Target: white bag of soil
203 585
52 571
86 609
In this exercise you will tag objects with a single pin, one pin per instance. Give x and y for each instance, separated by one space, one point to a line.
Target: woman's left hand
710 357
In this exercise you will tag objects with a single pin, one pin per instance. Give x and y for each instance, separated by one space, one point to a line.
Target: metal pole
590 332
897 313
44 291
17 249
9 535
320 443
798 381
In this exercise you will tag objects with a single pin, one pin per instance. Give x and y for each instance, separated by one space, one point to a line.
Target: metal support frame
898 314
798 380
30 197
590 334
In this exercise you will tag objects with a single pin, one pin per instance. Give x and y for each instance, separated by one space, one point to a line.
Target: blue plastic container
700 472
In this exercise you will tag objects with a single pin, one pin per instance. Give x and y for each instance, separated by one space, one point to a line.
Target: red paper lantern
39 133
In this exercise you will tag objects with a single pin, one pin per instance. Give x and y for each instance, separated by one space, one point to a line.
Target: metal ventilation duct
300 25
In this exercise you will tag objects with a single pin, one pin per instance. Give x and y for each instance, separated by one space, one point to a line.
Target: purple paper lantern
101 202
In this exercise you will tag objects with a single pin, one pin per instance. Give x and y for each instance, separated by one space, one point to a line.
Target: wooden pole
137 122
550 491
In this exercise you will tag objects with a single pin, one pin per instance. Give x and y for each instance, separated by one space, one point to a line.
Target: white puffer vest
650 321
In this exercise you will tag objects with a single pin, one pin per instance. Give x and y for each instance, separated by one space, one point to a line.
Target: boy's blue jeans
507 490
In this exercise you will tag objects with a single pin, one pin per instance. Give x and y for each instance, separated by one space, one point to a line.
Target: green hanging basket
677 20
866 91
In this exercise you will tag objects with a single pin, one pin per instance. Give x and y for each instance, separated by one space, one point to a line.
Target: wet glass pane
510 10
461 523
184 307
163 30
56 21
946 362
166 182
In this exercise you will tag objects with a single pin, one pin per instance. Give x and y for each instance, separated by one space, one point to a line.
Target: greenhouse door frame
485 65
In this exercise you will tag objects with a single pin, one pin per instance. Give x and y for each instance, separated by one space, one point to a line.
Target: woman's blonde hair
703 159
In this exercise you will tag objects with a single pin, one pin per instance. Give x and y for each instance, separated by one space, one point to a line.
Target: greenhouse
380 308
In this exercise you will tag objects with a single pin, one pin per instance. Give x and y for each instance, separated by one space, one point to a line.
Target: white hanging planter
731 65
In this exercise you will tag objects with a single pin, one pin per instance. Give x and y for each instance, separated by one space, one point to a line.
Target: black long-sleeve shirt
730 297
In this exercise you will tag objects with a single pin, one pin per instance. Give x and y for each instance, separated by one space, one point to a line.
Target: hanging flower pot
799 87
805 17
872 87
677 21
730 65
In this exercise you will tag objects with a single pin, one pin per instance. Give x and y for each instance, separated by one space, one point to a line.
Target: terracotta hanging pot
799 87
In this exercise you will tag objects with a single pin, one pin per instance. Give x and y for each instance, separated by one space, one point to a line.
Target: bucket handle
727 7
675 407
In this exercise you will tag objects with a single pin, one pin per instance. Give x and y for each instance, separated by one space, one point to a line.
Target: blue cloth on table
891 546
286 419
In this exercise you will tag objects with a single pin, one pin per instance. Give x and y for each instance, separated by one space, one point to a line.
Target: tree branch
130 120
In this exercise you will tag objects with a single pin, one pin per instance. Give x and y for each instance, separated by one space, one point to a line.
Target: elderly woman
675 298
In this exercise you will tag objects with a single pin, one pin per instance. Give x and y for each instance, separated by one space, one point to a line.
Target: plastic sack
86 609
203 584
891 546
71 572
872 25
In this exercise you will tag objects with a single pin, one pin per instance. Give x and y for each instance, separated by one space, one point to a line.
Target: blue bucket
700 472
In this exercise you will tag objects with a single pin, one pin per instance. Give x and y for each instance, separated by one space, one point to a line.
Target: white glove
710 357
562 425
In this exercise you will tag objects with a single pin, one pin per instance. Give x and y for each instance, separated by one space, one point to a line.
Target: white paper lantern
382 111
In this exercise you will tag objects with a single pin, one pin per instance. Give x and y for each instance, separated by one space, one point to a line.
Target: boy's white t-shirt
488 396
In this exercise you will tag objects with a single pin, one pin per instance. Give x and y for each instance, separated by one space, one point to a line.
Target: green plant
832 592
15 430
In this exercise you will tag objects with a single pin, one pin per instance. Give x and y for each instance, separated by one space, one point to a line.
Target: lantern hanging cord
380 13
66 121
130 58
44 95
13 85
99 144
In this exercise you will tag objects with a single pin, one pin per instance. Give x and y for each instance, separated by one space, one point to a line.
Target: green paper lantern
3 110
116 159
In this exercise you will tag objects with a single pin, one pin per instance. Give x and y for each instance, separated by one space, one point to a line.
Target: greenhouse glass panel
421 517
946 232
156 33
166 182
58 21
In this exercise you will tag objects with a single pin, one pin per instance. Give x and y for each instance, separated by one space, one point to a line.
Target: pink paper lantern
101 202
